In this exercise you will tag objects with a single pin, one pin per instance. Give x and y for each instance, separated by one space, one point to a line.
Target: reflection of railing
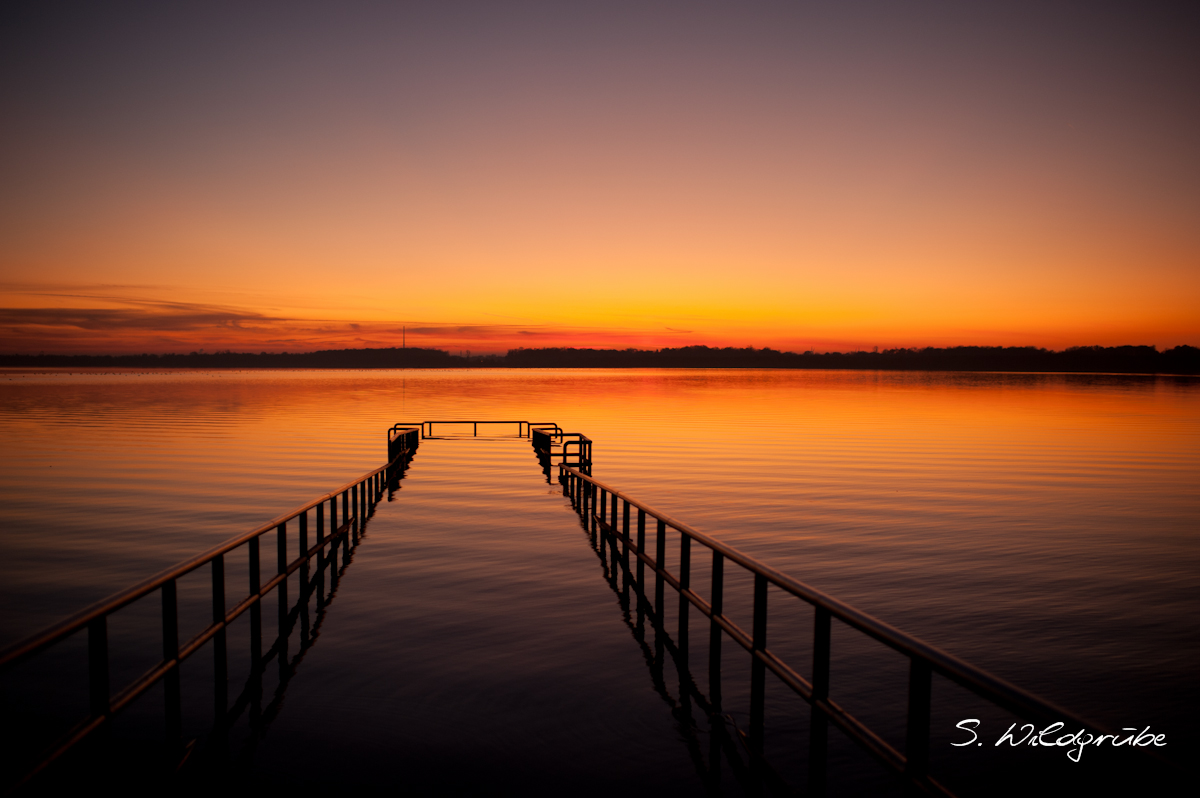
723 734
356 498
218 756
598 504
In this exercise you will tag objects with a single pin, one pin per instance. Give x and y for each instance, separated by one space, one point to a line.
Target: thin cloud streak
161 326
157 318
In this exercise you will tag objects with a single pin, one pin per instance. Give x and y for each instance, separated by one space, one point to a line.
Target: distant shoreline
1182 360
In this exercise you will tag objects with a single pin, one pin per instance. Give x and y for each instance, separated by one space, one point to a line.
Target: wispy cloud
164 317
140 324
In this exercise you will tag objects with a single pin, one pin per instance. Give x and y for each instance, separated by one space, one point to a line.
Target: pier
696 639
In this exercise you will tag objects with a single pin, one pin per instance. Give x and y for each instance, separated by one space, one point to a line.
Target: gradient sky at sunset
296 176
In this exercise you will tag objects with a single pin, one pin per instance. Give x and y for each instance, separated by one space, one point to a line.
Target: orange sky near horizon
641 175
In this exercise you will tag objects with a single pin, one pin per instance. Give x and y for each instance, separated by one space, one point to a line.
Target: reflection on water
1040 526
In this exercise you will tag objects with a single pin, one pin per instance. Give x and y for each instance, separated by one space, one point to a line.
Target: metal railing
402 438
425 428
569 448
598 504
601 508
548 439
726 742
355 497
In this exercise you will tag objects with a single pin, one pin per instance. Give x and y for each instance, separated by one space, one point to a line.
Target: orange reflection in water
1028 523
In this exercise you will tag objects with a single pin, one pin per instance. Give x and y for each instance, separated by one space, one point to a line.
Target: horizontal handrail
26 648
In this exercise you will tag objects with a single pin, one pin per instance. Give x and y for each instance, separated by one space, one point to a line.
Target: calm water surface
1041 526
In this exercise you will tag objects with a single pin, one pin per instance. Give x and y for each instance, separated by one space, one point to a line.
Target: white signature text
1051 737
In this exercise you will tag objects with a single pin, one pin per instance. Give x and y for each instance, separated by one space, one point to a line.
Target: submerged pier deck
515 632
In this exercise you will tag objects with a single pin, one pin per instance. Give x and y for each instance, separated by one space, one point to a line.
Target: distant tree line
1112 359
324 359
1124 359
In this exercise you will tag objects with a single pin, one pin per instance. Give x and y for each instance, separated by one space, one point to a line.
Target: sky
483 176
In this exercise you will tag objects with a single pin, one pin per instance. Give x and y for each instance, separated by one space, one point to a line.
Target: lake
1041 526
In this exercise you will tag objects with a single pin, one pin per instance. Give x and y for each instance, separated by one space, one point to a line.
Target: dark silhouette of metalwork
617 526
337 522
331 531
608 516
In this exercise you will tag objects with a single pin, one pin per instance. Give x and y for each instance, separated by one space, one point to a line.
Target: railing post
821 630
170 648
281 562
347 508
305 577
610 512
818 739
255 578
758 670
98 666
624 556
220 646
334 542
320 585
641 547
591 514
302 545
282 591
660 558
625 552
601 504
357 512
685 581
916 749
255 608
714 629
613 566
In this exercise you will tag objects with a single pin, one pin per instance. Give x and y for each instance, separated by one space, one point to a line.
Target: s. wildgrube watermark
1075 742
